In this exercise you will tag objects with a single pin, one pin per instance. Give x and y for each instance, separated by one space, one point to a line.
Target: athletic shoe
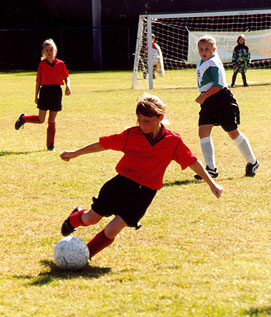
20 122
51 148
67 228
138 225
212 172
252 168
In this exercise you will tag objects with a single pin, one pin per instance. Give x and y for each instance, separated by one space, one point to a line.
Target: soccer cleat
252 168
67 227
138 225
212 172
20 122
51 148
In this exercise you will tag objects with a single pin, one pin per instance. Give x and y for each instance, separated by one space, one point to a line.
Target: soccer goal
177 36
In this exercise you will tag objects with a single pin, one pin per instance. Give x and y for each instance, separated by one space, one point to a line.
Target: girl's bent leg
243 146
90 217
207 145
205 130
30 119
114 227
79 217
34 118
106 237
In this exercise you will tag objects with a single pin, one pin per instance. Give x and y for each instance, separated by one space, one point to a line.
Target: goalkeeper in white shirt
218 108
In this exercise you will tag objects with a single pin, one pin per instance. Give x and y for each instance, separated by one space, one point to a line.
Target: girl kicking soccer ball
48 94
148 149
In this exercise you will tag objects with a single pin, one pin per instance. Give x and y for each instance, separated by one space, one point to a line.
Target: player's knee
41 120
90 217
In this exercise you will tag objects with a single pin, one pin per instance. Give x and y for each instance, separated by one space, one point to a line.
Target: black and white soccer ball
71 253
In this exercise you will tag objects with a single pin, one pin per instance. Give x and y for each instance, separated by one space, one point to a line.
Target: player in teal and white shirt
218 107
211 73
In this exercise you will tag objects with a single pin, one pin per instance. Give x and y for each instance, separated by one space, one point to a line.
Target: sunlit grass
194 256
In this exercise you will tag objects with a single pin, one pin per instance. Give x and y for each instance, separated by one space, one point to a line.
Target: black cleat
212 172
67 228
51 148
252 168
138 225
20 122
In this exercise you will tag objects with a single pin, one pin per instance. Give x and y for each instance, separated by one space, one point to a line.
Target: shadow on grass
261 311
193 181
89 272
179 183
6 153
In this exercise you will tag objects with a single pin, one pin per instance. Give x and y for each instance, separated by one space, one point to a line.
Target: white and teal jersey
211 73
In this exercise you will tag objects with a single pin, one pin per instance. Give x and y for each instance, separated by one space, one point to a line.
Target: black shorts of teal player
220 109
50 98
123 197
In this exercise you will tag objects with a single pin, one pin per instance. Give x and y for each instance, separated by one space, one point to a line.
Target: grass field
194 256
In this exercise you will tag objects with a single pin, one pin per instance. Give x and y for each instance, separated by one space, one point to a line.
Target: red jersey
52 74
145 161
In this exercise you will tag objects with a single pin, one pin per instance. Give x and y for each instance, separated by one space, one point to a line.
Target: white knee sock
208 151
244 147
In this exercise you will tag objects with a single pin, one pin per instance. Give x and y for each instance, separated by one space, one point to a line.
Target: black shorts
220 109
50 98
125 198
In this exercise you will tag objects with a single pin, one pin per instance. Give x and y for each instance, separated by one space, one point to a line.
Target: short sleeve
214 75
115 142
38 78
184 156
65 71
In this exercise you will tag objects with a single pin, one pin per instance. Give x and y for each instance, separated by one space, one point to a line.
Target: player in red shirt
148 149
52 73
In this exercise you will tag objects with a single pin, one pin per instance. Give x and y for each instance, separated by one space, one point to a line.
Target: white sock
244 147
208 151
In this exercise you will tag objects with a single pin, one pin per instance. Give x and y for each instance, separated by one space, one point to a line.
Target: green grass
194 256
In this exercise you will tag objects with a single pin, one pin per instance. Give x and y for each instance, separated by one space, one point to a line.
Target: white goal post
177 36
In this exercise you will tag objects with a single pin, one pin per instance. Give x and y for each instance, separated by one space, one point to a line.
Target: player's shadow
193 181
259 311
179 183
88 272
7 153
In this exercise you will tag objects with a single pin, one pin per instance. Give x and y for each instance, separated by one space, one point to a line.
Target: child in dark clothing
240 60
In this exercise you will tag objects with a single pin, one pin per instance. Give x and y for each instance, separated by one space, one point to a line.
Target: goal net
175 45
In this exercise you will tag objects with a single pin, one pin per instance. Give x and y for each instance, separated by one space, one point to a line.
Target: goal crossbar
148 24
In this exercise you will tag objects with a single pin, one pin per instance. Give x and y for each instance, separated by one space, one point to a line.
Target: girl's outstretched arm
198 168
91 148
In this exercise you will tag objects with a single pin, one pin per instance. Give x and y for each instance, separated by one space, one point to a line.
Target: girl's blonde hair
150 106
241 36
207 39
46 43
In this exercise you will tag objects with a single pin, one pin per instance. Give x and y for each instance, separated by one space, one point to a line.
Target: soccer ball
71 253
